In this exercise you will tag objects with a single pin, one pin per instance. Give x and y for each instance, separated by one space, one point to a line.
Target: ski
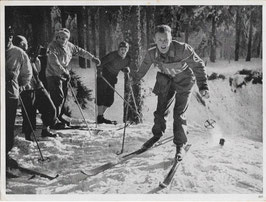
11 175
123 159
33 172
167 180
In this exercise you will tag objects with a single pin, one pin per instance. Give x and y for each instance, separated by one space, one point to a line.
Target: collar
170 52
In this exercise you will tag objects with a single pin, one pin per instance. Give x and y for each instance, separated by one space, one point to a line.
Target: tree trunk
102 27
148 24
81 34
93 30
63 15
46 27
133 36
186 34
238 30
213 41
248 58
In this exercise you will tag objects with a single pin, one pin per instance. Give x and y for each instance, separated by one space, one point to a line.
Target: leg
105 98
11 109
63 109
29 113
46 107
183 86
180 122
163 104
55 88
101 110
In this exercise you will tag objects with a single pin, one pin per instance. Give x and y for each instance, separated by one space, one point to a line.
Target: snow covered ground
208 170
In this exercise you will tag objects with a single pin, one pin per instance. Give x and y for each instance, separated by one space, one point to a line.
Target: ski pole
96 100
119 95
82 114
34 136
133 96
209 123
124 133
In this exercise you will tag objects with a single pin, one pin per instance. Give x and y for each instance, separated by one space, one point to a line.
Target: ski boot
11 163
46 133
101 119
58 125
62 120
180 150
148 144
28 137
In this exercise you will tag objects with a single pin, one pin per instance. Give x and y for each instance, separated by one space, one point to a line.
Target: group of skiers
179 67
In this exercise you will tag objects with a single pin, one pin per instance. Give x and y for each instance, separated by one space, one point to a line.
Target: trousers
168 90
11 110
58 91
34 100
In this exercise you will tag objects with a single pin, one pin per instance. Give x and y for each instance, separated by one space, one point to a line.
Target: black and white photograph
121 101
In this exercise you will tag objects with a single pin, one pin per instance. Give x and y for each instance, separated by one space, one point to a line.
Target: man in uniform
179 67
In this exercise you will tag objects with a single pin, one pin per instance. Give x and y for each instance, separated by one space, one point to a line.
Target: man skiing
18 74
60 52
179 66
34 96
112 63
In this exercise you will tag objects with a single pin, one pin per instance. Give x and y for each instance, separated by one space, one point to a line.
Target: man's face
163 41
8 41
62 39
123 52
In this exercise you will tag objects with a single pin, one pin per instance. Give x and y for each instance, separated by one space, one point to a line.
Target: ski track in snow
208 168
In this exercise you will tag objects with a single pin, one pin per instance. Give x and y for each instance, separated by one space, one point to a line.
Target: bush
251 75
214 76
83 93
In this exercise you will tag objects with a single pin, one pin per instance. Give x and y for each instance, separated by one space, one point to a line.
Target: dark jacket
113 62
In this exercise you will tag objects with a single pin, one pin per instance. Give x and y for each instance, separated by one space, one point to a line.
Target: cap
18 39
123 44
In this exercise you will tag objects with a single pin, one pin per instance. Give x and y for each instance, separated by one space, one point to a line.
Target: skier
178 66
60 52
34 96
18 74
112 63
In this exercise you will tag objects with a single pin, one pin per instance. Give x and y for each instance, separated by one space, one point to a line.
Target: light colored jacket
59 57
18 71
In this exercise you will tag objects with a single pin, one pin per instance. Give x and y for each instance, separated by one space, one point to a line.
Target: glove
126 70
205 94
67 76
97 61
99 72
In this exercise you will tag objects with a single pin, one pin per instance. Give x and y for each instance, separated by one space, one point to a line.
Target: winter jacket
59 57
18 71
174 63
113 62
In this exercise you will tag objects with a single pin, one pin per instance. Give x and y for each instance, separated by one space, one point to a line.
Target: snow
208 170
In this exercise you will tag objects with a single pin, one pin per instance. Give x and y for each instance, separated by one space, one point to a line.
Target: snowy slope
235 168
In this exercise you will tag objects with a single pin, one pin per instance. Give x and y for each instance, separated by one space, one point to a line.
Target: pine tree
132 34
